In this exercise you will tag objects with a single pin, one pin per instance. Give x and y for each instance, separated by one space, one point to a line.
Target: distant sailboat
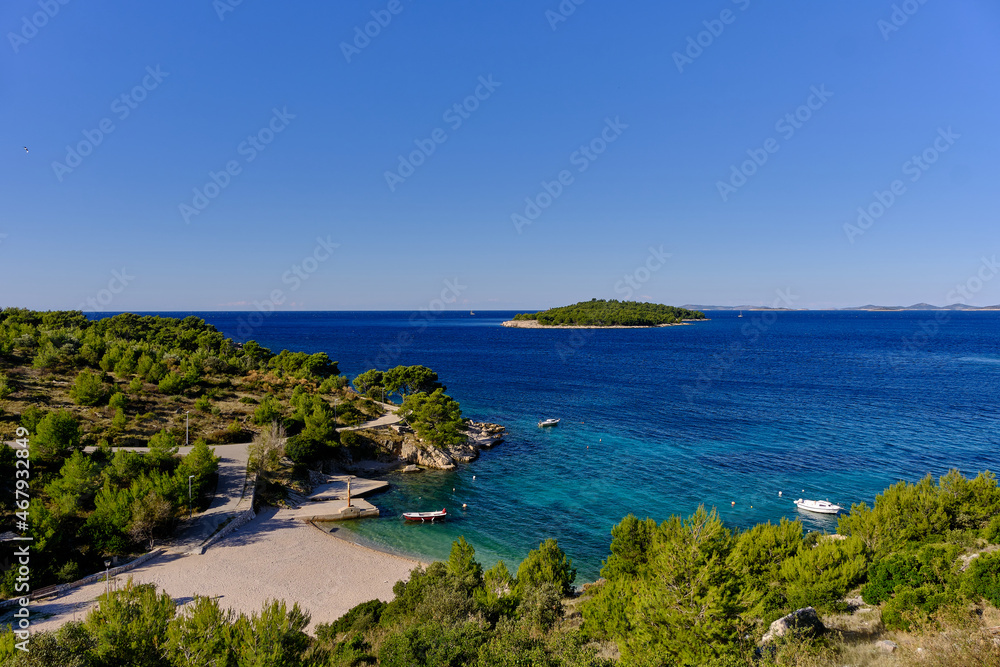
741 314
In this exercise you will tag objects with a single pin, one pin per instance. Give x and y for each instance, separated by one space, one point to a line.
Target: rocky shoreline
397 446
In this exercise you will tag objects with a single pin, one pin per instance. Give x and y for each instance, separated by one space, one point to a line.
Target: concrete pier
328 502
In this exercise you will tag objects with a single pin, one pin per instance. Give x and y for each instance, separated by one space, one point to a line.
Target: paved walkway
390 418
232 496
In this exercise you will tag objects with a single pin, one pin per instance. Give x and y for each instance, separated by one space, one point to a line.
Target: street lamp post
190 502
107 577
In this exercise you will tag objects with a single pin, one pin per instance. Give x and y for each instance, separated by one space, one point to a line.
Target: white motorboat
818 506
548 422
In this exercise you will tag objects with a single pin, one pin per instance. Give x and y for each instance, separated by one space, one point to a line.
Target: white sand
273 556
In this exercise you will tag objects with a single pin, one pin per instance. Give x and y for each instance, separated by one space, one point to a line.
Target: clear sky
644 109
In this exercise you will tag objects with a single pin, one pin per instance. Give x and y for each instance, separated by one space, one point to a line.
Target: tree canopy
436 417
608 313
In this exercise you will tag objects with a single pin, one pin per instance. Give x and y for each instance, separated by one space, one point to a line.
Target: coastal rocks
478 435
317 478
425 455
484 434
411 468
464 452
403 445
886 646
801 620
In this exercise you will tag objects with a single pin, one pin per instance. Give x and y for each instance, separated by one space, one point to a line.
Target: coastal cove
840 404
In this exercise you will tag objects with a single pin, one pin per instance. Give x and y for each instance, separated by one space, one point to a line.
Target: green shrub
135 386
6 386
984 577
357 620
302 450
119 422
88 389
433 644
756 560
248 400
70 571
822 575
269 410
57 436
546 564
31 417
884 577
203 404
172 384
991 532
118 401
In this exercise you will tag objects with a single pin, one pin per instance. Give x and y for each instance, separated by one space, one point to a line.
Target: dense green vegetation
681 592
690 592
452 613
434 415
601 313
152 382
74 384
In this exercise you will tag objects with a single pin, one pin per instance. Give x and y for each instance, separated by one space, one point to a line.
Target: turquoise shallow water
830 405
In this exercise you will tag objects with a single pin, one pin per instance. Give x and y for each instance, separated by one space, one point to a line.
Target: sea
743 414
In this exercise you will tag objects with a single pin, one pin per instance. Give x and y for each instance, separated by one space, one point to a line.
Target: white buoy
473 477
463 505
779 493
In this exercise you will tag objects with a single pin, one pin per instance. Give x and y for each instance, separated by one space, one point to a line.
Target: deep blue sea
825 405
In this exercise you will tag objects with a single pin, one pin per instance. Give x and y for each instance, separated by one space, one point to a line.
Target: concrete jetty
329 501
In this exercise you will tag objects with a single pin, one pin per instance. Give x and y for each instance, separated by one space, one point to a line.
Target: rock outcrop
803 620
400 443
423 454
483 434
463 452
886 646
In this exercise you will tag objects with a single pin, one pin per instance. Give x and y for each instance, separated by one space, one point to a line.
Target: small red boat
425 516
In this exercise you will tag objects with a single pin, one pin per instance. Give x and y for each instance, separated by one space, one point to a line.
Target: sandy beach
273 556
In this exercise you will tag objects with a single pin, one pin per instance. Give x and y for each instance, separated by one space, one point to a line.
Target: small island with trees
601 313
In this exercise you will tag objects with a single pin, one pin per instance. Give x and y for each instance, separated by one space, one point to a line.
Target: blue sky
664 120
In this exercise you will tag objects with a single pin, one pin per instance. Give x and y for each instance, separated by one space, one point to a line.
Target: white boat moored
548 422
819 506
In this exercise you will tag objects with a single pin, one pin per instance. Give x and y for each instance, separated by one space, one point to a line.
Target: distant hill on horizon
704 308
916 306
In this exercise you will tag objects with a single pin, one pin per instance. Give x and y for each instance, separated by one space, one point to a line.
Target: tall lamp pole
190 502
107 577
